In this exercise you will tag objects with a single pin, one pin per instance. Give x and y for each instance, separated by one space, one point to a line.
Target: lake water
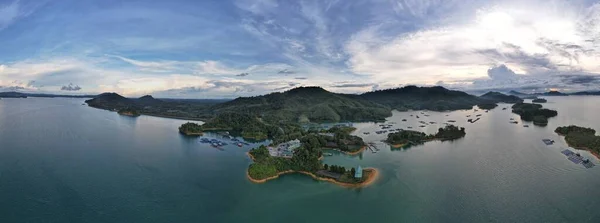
61 161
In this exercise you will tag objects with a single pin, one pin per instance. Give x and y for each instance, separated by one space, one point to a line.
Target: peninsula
581 138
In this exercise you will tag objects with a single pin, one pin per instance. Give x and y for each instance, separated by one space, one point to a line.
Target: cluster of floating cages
577 158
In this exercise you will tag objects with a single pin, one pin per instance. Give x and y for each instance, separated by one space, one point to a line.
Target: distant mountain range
13 94
552 93
309 104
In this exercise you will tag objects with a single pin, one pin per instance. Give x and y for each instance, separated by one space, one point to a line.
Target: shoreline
373 176
362 149
594 153
398 146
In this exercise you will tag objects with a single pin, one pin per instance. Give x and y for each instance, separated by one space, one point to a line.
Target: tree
326 167
353 171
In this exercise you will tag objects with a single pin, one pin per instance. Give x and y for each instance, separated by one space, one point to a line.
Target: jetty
371 146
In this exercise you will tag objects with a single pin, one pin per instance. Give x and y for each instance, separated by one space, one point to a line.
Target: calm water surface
61 161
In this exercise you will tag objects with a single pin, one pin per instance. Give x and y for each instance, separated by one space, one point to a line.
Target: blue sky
230 48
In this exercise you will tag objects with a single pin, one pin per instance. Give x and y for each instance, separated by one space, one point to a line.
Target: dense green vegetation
303 104
423 98
190 128
539 100
487 106
498 97
581 137
533 112
408 137
147 105
306 158
306 104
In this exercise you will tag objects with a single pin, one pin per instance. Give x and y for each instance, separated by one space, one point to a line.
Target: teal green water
61 161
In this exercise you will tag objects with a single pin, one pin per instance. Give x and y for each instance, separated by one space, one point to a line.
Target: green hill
498 97
423 98
306 104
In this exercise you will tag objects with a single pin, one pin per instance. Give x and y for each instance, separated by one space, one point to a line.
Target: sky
232 48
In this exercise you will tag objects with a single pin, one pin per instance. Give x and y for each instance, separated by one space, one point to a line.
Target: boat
404 120
239 144
526 126
451 121
366 133
514 122
327 154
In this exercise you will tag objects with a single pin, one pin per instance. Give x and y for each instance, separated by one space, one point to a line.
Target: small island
407 138
191 129
539 100
533 113
581 138
305 160
129 112
487 106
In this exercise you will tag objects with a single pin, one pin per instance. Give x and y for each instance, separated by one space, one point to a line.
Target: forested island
305 161
533 113
539 100
499 97
581 138
407 138
191 129
487 106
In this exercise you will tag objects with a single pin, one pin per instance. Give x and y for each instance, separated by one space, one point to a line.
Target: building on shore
359 173
285 150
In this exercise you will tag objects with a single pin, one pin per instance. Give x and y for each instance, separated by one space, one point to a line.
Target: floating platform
577 159
588 164
567 152
548 141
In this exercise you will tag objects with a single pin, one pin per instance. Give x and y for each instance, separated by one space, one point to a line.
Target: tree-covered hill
306 104
423 98
499 97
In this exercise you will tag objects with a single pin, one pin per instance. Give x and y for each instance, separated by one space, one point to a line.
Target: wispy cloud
70 87
247 47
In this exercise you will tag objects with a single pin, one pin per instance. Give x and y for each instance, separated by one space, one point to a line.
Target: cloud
352 85
286 72
70 87
465 48
137 48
